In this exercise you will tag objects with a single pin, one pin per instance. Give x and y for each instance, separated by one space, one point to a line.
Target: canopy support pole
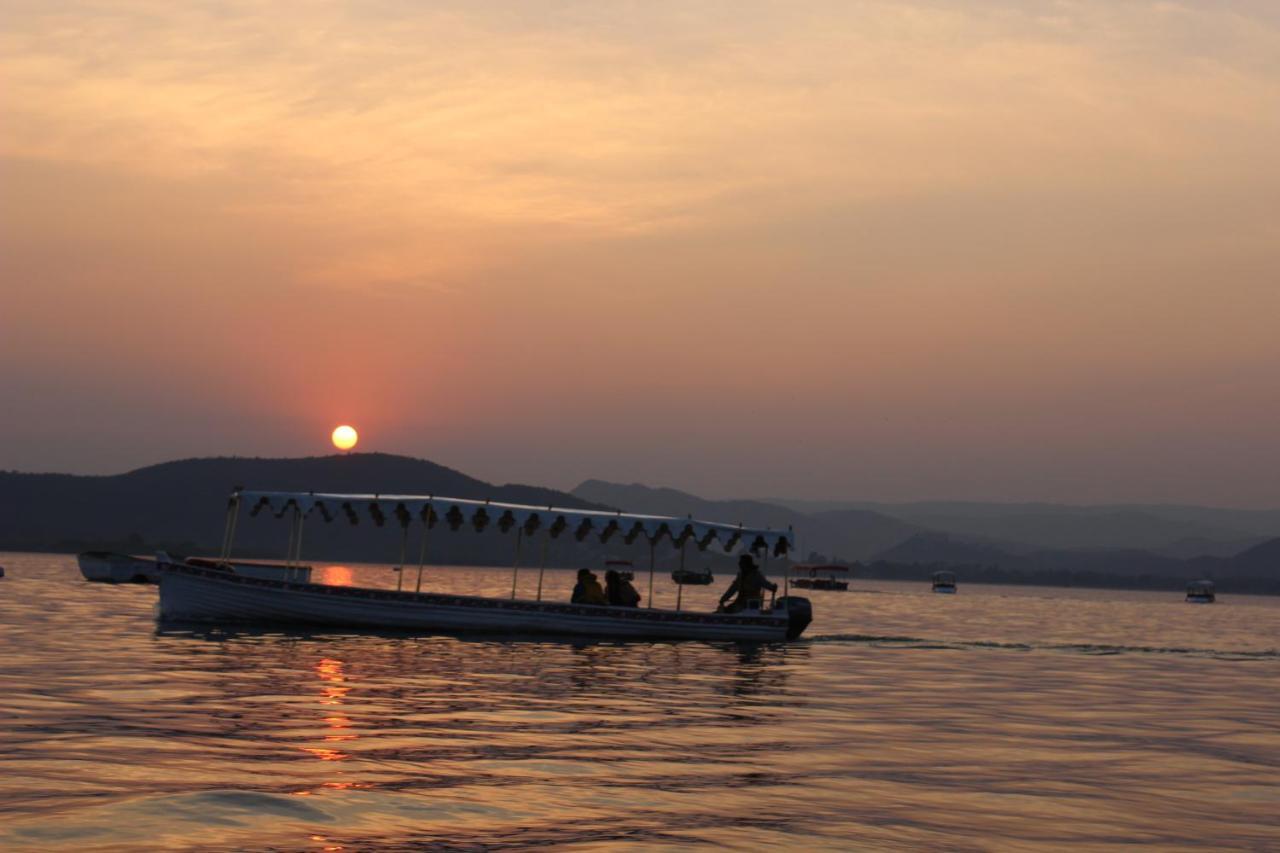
293 531
226 529
297 549
515 566
422 553
680 583
764 569
651 559
404 545
231 535
542 564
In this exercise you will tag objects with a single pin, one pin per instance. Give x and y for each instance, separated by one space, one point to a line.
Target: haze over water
997 718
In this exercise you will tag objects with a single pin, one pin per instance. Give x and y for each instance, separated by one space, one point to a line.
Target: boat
692 577
624 568
1201 592
944 582
110 567
819 577
213 594
269 571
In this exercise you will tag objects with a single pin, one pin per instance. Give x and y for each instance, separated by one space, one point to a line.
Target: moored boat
269 571
212 594
693 577
944 582
820 577
1201 592
110 567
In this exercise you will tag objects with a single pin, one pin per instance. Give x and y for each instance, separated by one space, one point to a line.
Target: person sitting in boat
748 586
619 590
587 590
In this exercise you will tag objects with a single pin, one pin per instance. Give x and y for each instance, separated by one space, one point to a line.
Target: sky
907 250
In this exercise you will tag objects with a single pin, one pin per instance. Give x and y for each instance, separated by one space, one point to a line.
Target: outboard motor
799 614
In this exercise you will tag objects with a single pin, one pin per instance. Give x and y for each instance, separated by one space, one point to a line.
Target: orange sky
986 250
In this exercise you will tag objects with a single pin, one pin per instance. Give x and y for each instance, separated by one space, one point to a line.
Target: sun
345 437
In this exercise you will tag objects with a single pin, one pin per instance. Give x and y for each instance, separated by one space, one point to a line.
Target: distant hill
851 534
1178 531
1262 560
181 505
1256 570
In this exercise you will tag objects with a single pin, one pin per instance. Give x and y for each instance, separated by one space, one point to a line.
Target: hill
1172 530
849 533
1255 570
180 505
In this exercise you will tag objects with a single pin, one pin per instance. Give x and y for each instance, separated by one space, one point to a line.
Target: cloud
913 208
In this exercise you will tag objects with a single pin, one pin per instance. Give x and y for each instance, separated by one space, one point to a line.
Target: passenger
748 586
619 590
587 590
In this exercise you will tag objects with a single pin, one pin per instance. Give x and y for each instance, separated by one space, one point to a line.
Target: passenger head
746 564
584 574
611 576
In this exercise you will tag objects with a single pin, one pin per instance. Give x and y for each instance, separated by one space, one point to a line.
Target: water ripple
996 718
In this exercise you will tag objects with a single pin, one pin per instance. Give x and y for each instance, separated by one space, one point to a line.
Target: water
1012 718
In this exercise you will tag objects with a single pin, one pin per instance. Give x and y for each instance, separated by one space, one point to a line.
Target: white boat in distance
110 567
191 593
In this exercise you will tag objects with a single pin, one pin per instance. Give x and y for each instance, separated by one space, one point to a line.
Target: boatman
748 586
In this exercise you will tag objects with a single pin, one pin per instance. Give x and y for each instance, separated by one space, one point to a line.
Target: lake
1001 717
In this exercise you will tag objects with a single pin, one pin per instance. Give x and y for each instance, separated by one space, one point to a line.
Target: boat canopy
477 514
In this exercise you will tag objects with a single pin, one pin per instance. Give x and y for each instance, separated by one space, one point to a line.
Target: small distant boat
944 582
624 568
1200 592
820 577
691 577
110 567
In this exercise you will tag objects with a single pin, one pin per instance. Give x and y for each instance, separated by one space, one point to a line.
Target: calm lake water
999 718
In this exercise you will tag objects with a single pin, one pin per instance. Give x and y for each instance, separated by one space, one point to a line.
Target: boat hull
820 583
107 567
195 594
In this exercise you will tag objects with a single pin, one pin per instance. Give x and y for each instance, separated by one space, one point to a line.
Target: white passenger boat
192 593
820 577
1201 592
944 582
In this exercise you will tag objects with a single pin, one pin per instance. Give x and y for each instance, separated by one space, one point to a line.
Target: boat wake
1078 648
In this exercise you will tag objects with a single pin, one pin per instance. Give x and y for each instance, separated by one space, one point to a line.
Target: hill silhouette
1172 530
180 505
851 533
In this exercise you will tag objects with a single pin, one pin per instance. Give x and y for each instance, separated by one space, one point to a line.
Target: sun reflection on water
333 690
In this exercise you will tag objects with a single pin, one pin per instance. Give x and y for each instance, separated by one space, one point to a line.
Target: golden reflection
326 754
337 576
333 689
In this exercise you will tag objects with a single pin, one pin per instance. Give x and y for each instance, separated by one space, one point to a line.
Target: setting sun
345 437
